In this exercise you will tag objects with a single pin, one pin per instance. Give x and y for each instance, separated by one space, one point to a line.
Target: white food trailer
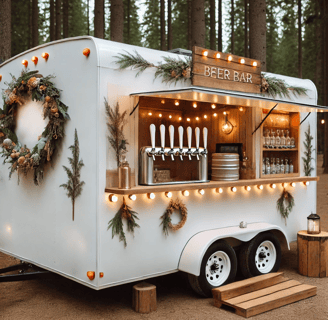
36 223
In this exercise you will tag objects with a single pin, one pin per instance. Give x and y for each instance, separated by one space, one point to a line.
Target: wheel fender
194 251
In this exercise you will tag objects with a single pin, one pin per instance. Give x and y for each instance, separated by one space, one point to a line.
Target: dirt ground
60 298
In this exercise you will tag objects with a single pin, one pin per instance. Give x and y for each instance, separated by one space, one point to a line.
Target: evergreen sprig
115 125
74 185
116 224
308 153
285 199
281 88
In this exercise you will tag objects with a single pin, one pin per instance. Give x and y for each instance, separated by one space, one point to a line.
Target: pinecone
187 73
264 85
33 82
21 160
173 74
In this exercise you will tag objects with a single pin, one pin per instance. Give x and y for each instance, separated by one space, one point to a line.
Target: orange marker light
86 52
35 60
91 275
45 55
25 63
101 274
0 77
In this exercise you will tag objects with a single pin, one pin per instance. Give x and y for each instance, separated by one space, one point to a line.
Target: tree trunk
88 6
197 23
232 27
117 20
163 44
212 25
58 20
246 29
65 19
129 20
189 24
5 29
35 20
52 21
220 26
300 57
29 8
257 31
99 18
169 25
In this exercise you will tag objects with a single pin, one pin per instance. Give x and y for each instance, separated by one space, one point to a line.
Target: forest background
295 31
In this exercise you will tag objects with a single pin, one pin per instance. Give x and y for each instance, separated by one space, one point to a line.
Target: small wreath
287 198
22 159
166 217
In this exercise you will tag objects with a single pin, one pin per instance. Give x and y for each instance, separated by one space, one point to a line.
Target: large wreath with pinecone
21 158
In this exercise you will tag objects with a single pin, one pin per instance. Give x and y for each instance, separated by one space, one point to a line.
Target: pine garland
116 224
279 87
166 217
74 185
308 153
172 70
285 199
115 125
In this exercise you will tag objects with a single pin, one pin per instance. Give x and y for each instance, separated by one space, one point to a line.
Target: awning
232 98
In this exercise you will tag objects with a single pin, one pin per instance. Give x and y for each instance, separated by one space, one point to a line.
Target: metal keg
225 166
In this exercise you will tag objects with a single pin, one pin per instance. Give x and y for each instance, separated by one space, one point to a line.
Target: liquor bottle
291 166
273 166
292 142
282 166
267 166
263 166
283 139
273 139
286 166
267 139
277 166
278 139
288 139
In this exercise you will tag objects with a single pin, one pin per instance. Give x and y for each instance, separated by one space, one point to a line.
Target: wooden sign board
239 74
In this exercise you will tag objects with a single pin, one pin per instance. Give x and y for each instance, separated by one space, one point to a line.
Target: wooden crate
260 294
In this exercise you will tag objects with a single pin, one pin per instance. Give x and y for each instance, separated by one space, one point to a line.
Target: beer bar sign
225 71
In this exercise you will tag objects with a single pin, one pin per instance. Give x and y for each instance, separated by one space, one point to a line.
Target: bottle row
277 166
275 141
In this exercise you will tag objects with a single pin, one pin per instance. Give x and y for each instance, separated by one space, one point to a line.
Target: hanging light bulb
194 105
233 189
306 183
201 191
197 118
188 119
205 116
176 103
219 190
213 106
260 187
185 193
170 116
150 114
273 186
248 188
180 118
162 101
151 195
160 115
112 198
215 114
168 194
227 126
133 197
293 184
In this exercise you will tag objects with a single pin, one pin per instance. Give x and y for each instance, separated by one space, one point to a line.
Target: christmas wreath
21 158
166 217
285 199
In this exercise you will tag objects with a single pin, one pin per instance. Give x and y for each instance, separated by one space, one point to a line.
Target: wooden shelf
280 175
208 185
278 150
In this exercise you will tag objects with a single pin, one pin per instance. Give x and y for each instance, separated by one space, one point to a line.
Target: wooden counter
207 185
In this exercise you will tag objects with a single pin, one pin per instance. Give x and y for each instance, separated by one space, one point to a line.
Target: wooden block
302 247
275 300
144 298
323 258
249 285
313 258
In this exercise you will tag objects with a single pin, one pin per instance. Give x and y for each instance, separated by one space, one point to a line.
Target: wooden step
260 294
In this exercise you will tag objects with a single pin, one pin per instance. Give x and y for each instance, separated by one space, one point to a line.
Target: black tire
200 283
247 255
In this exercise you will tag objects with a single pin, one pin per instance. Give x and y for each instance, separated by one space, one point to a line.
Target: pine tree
132 27
74 185
151 25
116 20
180 24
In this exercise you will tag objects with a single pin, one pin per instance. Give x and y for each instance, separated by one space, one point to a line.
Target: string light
151 195
218 55
323 121
176 103
273 186
233 189
248 188
112 198
215 114
254 64
219 190
168 194
241 109
45 55
133 197
185 193
197 118
35 60
213 106
242 61
163 101
260 187
230 58
293 184
194 105
224 113
205 116
150 114
180 118
188 119
205 53
201 191
306 183
283 184
160 115
170 116
25 63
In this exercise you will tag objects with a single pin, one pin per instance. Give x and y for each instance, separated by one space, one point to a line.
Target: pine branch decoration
74 185
308 153
278 87
116 224
285 199
115 125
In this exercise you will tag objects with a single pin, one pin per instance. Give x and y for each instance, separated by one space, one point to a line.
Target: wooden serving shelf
278 150
207 185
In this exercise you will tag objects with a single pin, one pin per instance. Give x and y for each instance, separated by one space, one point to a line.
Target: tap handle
180 137
197 134
205 131
189 134
171 131
162 130
152 135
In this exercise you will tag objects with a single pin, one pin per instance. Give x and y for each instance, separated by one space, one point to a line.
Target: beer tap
189 135
197 134
161 152
180 152
171 151
205 131
152 152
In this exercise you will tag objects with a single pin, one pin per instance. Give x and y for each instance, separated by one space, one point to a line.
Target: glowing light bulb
197 118
215 114
213 106
273 186
112 198
323 121
150 114
293 184
194 105
230 58
260 187
133 197
233 189
219 190
160 115
218 55
242 61
185 193
45 55
201 191
170 116
205 53
151 195
176 103
168 194
248 188
35 60
205 116
162 101
241 109
224 113
306 183
180 118
254 64
25 63
188 119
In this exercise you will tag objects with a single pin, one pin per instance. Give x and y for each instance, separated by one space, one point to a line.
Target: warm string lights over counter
186 193
217 55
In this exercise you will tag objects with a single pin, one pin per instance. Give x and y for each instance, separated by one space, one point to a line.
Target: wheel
219 267
261 255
